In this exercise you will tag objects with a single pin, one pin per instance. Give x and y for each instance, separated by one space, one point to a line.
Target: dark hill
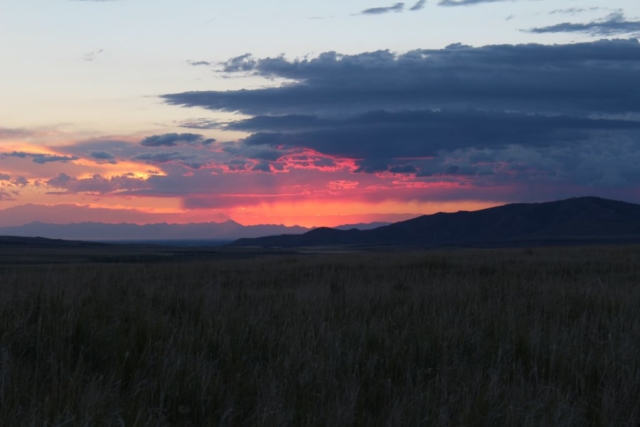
571 221
41 242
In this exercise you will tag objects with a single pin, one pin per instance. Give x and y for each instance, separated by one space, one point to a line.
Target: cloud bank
582 78
395 8
468 2
491 112
614 24
173 139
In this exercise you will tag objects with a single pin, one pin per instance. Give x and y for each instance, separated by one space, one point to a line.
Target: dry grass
462 338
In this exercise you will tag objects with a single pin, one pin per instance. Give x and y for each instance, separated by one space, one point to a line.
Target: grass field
543 337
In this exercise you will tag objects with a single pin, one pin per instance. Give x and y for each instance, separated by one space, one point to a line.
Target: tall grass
549 337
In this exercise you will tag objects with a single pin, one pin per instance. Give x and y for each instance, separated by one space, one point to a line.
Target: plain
526 337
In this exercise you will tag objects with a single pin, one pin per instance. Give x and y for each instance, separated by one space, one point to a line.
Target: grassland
543 337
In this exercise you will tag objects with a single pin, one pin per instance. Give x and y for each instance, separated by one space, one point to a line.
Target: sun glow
330 213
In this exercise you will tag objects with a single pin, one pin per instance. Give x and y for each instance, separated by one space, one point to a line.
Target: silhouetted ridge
584 219
41 242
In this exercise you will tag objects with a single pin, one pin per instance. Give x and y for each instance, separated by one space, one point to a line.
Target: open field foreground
543 337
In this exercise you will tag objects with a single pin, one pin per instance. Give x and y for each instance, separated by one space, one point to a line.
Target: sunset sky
312 112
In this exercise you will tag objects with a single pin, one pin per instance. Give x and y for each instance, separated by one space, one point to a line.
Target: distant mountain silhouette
361 226
228 231
39 242
571 221
224 231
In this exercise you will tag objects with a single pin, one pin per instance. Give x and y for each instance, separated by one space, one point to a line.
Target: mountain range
571 221
222 232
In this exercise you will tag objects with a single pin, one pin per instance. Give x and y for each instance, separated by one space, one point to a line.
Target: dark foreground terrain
36 251
520 337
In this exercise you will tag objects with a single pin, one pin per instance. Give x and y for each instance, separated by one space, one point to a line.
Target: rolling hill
571 221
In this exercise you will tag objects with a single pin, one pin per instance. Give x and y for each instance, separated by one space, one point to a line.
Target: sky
310 113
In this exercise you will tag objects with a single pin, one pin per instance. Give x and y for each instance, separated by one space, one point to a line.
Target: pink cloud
342 185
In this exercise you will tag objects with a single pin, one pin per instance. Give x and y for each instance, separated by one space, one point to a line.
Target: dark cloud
97 184
523 115
575 10
468 2
275 123
372 166
199 123
163 157
260 152
614 24
608 160
420 4
103 150
403 169
191 156
262 167
398 143
103 156
419 133
41 158
20 181
585 78
238 165
454 170
244 62
199 63
173 139
569 11
397 7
